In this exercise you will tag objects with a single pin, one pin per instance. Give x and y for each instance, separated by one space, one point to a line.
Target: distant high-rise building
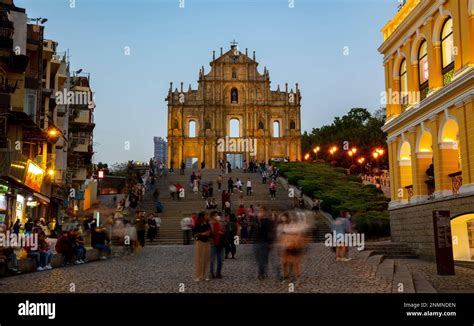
160 149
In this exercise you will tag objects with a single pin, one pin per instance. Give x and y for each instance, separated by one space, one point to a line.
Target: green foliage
355 178
341 170
373 223
339 191
294 177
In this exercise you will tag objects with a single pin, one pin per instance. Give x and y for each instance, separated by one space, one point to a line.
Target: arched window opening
425 144
292 125
426 163
276 129
260 125
447 50
192 129
406 176
207 124
423 69
403 84
451 157
405 152
234 74
462 229
234 127
234 95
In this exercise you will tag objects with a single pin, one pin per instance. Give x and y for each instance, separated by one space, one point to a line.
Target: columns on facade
448 158
469 114
434 62
464 113
392 157
213 151
469 45
414 83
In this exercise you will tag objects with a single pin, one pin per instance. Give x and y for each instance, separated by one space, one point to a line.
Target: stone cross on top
233 44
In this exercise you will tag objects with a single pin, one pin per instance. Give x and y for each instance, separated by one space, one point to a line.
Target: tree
358 128
119 169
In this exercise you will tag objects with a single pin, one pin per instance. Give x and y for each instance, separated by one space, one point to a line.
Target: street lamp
361 162
316 150
333 151
306 157
351 155
53 132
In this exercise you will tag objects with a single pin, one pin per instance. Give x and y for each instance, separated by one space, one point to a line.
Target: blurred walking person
186 227
140 226
291 241
263 242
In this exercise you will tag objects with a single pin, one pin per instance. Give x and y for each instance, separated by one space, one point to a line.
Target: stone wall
413 224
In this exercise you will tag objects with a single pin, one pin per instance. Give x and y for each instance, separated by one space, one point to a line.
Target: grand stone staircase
175 210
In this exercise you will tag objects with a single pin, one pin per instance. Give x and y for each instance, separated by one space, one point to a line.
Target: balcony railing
8 86
430 184
456 179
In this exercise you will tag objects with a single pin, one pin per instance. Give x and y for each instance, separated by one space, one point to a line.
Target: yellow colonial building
428 53
233 115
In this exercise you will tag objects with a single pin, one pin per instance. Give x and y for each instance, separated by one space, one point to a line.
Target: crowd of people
71 244
277 238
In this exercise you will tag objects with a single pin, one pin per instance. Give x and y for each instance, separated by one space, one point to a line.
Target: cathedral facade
233 115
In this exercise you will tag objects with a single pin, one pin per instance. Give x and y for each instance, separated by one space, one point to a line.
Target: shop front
21 181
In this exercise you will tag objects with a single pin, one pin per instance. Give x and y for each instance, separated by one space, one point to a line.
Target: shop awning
41 197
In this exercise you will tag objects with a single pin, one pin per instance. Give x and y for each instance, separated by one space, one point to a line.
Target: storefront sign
3 202
20 206
3 189
34 176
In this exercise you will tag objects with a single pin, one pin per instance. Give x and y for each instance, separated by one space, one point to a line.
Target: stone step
422 285
401 256
373 263
364 255
463 263
385 269
402 280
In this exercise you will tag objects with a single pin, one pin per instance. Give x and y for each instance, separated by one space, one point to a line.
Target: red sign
34 176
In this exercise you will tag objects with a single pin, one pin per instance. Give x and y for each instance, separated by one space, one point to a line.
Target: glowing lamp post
377 154
316 151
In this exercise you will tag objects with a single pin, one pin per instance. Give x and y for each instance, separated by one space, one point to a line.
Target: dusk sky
304 44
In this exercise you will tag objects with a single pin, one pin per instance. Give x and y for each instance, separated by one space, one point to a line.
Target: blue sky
167 43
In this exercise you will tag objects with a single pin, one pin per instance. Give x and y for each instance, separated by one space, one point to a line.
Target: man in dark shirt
263 242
